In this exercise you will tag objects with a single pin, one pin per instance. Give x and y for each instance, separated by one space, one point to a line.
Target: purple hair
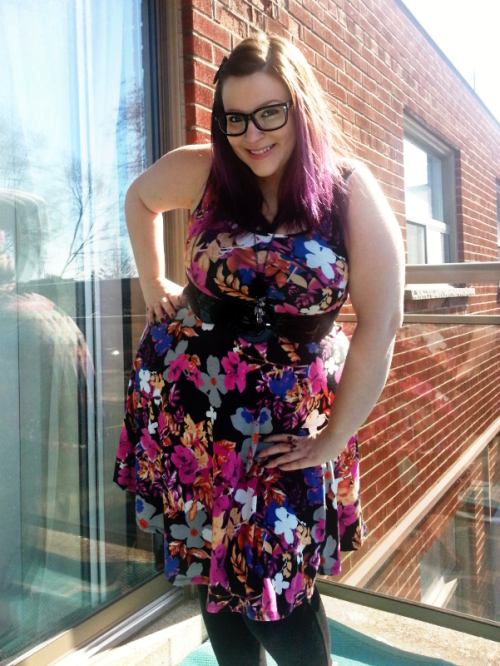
312 181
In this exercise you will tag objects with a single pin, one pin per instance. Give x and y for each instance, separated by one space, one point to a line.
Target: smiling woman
238 425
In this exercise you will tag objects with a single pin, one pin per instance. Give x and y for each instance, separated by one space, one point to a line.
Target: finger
281 437
301 463
167 306
274 450
159 312
287 458
151 316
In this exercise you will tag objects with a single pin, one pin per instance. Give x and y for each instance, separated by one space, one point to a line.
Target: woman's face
266 153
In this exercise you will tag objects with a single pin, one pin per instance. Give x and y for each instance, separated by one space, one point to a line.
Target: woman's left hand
300 452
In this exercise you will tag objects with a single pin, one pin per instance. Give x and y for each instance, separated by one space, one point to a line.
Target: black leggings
301 639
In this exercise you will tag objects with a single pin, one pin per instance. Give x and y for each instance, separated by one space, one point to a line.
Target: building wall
378 65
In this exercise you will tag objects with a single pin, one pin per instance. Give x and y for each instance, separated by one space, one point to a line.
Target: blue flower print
320 256
163 341
139 505
171 566
279 386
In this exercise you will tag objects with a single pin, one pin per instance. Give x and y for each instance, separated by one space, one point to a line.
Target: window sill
419 292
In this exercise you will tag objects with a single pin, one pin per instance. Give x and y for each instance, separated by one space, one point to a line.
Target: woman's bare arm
175 181
376 286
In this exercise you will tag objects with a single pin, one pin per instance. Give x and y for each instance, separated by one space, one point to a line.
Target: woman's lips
260 155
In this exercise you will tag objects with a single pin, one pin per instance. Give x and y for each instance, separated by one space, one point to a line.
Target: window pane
438 246
415 243
71 140
423 184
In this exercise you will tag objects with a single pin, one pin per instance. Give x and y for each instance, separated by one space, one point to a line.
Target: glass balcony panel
430 477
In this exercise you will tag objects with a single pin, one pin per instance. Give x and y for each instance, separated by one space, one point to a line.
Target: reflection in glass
423 184
72 138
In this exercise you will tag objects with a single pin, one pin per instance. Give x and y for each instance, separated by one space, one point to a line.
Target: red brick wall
377 64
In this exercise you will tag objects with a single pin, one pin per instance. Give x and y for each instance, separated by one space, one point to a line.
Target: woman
231 428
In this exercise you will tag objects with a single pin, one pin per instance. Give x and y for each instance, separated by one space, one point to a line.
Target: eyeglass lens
266 119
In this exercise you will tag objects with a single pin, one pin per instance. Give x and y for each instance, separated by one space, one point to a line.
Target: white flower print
320 256
145 376
152 427
285 524
249 501
173 355
279 584
207 533
192 530
186 317
314 421
332 364
194 570
213 381
211 414
249 239
327 561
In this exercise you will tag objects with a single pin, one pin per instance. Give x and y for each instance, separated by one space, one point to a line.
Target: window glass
72 138
423 184
415 241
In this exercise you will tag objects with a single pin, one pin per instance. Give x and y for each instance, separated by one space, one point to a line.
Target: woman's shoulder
177 179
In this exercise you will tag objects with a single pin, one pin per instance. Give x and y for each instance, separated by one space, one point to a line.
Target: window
73 130
429 196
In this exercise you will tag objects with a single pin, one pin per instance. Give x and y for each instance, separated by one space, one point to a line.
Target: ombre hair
312 182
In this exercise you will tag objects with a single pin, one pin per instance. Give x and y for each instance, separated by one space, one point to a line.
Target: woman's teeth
261 152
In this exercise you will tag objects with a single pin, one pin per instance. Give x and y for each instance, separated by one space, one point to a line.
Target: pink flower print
236 372
126 479
217 570
221 504
286 307
269 600
195 376
184 459
125 446
176 367
150 446
294 589
317 376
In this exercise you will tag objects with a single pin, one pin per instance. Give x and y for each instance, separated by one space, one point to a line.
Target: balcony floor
173 636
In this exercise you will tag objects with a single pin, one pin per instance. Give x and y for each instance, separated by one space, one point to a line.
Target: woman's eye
235 119
269 113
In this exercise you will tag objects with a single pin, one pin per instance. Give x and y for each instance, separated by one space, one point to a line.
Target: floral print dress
200 401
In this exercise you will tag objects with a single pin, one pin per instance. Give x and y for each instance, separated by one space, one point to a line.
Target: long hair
312 180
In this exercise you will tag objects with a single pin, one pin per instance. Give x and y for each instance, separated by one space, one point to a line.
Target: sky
469 34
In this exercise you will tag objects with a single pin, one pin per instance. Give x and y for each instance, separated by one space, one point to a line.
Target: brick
231 22
299 13
194 21
314 42
195 45
204 6
196 93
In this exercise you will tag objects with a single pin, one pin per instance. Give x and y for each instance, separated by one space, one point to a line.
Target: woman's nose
253 133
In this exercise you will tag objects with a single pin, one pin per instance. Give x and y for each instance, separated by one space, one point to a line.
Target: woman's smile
266 153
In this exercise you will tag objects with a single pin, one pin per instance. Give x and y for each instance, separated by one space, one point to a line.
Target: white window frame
417 134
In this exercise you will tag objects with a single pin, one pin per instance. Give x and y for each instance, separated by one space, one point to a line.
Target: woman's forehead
247 93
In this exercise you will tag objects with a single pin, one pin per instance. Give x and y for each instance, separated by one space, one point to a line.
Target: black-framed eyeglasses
266 119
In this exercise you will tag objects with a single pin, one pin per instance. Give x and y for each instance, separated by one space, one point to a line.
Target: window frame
430 143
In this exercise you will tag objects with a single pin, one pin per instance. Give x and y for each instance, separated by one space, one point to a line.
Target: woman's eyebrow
271 101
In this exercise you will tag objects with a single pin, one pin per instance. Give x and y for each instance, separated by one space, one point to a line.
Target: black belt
257 321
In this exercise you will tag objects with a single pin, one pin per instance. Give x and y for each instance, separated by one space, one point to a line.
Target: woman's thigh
232 641
301 639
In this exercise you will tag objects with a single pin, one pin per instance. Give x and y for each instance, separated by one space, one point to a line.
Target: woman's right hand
163 298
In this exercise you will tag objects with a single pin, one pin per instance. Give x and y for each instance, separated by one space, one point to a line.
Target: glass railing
430 453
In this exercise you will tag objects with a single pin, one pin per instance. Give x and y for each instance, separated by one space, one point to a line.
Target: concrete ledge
418 292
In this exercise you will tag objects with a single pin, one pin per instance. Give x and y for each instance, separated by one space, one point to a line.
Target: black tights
301 639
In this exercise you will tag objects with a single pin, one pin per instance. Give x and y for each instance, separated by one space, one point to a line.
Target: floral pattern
200 401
